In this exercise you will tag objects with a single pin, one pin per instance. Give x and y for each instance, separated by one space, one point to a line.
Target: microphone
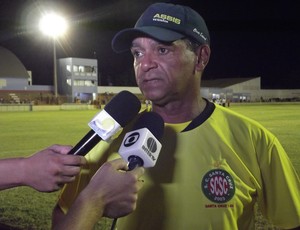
107 124
141 146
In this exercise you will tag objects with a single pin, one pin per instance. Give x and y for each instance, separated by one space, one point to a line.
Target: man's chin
151 95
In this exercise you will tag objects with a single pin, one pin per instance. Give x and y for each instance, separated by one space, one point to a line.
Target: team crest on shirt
218 186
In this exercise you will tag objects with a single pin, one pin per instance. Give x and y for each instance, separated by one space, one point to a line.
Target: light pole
53 25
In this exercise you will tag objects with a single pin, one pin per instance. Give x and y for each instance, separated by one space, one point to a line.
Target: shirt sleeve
70 191
280 198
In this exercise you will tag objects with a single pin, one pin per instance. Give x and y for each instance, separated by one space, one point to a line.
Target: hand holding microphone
141 147
120 110
110 193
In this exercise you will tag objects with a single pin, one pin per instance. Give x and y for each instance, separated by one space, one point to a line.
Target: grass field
23 133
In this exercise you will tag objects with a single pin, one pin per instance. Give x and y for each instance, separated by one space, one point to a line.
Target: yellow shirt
209 177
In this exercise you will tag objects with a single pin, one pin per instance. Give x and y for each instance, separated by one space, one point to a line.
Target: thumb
119 164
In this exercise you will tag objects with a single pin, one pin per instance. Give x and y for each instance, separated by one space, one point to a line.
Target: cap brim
122 40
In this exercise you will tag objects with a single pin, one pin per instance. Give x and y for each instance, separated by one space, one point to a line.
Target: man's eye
136 53
162 50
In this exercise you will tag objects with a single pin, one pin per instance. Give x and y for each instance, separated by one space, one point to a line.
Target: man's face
164 72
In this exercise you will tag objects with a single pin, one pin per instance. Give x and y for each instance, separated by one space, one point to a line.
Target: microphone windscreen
128 102
153 122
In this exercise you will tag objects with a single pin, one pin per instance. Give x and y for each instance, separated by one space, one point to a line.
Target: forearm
11 173
83 214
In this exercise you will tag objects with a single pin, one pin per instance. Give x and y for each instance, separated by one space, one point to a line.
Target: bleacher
28 97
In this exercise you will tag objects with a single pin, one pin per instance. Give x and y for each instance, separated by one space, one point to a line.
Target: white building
78 79
244 90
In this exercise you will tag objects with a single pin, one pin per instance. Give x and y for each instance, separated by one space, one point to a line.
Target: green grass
282 119
23 133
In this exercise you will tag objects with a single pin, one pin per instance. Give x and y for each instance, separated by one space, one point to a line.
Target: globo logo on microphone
141 143
131 139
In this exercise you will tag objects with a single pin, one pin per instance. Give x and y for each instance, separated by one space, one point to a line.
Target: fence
30 107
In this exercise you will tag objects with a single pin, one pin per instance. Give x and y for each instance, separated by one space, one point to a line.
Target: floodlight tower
53 25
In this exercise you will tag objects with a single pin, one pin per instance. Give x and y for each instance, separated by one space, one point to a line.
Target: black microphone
107 124
141 146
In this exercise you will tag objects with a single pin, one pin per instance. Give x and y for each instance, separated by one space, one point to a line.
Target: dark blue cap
164 22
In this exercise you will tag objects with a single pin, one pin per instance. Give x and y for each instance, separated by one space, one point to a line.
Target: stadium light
53 25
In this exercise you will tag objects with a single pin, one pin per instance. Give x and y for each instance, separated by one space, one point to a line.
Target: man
215 164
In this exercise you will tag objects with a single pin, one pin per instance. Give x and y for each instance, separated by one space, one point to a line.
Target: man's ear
203 54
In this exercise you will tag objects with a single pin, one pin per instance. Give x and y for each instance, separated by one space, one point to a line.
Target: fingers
66 179
115 187
62 149
73 160
119 164
78 161
64 157
54 168
138 171
70 171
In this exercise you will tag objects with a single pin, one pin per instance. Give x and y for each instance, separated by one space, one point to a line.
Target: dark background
248 38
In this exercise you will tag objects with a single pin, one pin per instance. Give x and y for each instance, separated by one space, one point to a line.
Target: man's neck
178 112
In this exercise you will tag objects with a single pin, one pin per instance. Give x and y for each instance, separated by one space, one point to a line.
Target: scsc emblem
218 186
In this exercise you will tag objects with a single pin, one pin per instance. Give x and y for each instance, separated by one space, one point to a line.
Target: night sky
248 38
